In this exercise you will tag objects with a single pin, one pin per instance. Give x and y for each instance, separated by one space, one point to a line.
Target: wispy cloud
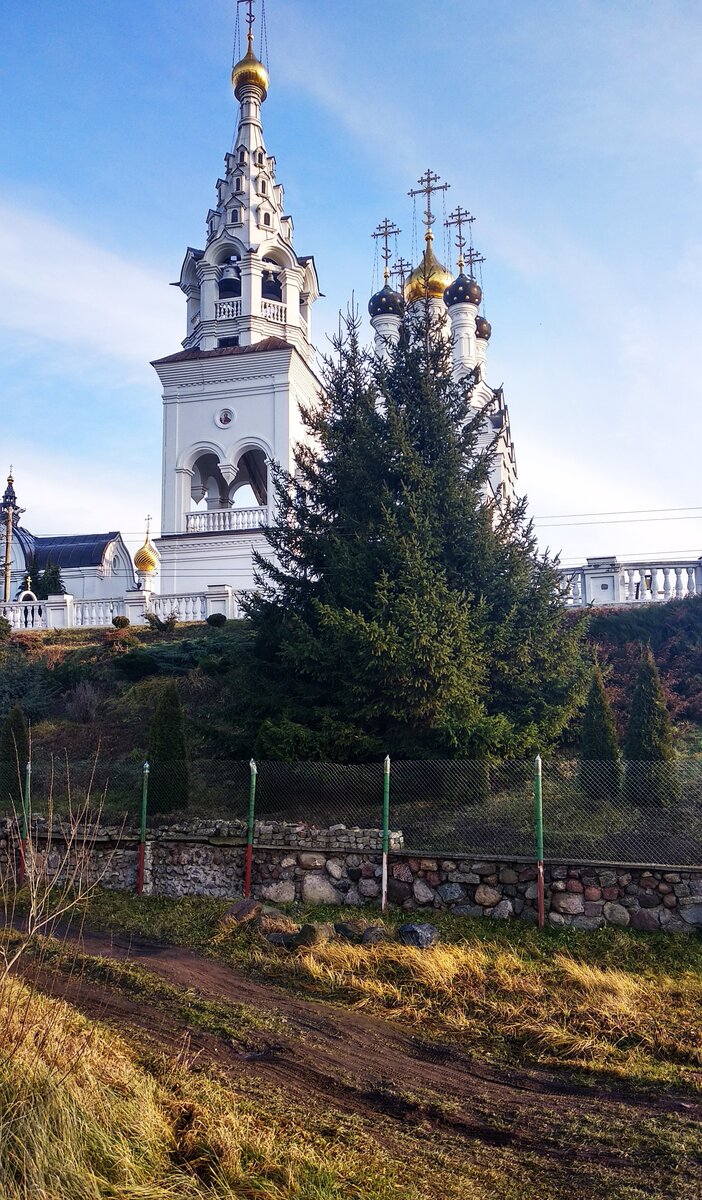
71 291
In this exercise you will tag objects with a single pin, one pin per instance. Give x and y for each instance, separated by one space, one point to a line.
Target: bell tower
231 396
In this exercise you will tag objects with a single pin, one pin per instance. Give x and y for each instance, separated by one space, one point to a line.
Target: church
231 396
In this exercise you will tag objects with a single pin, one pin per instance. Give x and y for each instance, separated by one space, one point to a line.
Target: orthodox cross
428 184
402 269
385 231
250 18
457 219
149 519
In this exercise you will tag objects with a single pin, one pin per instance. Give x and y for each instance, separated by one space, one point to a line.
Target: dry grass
83 1117
497 998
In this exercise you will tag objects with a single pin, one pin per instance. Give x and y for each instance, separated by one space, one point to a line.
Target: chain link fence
640 813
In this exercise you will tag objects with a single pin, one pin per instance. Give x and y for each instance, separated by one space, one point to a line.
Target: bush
600 761
162 625
14 756
120 622
137 664
26 683
168 758
83 703
651 776
5 629
216 620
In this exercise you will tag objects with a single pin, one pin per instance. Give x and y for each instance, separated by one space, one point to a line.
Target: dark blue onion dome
483 328
463 290
385 301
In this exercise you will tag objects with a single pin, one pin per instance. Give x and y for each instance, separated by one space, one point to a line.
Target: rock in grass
350 932
374 934
422 936
243 911
282 939
311 935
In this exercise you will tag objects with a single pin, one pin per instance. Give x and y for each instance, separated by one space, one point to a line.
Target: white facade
231 397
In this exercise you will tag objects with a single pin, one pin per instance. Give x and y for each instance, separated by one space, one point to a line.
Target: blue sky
570 128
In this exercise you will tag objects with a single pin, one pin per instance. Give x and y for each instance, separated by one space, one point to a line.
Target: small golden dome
146 559
250 71
430 279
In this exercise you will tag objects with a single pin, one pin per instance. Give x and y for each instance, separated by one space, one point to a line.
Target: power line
619 512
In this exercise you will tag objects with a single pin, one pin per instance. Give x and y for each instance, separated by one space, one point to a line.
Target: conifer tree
14 756
168 758
401 615
651 776
600 760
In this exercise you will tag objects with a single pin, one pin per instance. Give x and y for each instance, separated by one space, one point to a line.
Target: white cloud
71 291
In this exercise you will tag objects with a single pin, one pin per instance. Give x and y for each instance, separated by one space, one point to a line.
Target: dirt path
365 1065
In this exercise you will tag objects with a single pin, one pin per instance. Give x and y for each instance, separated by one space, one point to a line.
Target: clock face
225 417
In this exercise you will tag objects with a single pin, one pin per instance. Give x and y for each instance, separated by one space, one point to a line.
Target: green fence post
250 831
539 829
142 834
24 821
386 831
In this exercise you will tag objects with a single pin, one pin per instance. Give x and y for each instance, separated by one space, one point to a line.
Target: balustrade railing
225 520
189 606
96 613
24 614
632 583
225 310
272 310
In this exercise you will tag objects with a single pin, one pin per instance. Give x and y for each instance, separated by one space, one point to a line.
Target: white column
208 274
386 327
465 352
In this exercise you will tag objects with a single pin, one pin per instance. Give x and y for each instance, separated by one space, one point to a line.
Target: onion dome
463 290
483 328
146 558
430 279
249 71
385 301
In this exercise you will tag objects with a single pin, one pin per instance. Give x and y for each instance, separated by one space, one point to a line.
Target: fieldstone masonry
342 866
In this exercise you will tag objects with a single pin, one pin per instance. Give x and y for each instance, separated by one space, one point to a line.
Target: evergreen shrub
5 629
167 755
14 756
121 622
600 770
651 775
216 620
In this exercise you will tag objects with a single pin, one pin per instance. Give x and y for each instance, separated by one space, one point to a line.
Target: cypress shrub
651 776
168 759
600 761
14 755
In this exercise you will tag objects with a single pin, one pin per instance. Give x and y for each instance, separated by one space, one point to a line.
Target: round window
225 417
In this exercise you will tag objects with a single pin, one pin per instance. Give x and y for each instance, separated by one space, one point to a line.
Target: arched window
242 156
238 184
234 216
266 218
263 187
260 158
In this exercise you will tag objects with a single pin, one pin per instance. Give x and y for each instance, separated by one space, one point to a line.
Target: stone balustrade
607 581
225 520
273 310
226 310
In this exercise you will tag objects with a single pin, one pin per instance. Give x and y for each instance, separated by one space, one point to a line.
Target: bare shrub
83 702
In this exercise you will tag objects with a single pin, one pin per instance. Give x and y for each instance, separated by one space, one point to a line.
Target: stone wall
344 866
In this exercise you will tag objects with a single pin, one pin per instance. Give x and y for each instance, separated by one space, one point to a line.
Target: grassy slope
608 1003
109 1116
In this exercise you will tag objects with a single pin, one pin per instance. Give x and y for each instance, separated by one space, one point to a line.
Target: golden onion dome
249 71
146 559
430 279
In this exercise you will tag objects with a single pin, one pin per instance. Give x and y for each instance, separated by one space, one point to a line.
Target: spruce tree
168 758
14 756
651 776
600 760
401 613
